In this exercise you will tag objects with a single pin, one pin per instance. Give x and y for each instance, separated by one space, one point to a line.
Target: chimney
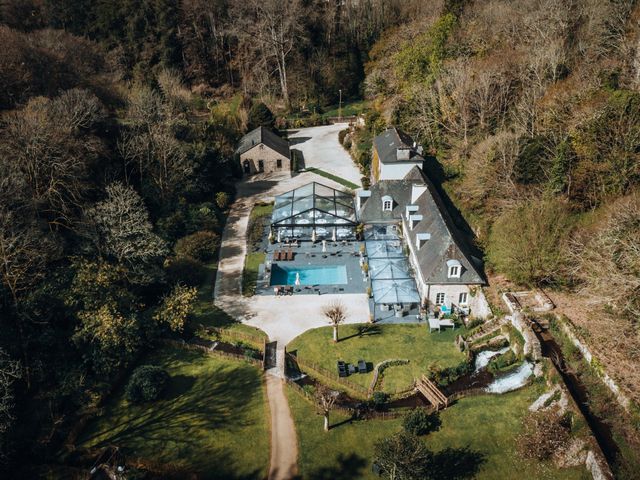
403 154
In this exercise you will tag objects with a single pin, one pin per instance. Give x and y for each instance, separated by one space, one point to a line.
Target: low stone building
261 150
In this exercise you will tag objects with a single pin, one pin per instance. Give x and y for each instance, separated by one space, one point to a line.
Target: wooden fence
210 351
233 335
333 377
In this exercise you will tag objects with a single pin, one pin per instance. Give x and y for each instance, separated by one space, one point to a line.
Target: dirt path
284 444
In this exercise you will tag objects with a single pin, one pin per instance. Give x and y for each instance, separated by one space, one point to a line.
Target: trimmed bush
379 400
201 246
342 134
185 270
146 384
419 422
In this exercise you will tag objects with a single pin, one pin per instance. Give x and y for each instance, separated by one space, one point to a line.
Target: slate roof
398 190
389 141
445 242
265 136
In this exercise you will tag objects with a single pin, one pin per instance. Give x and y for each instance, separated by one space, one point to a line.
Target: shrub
172 226
202 217
528 242
366 182
201 246
419 422
146 384
449 375
260 115
222 200
342 134
503 361
185 270
379 400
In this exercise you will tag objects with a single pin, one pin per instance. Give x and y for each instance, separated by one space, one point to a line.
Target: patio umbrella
334 237
279 239
298 278
324 246
313 235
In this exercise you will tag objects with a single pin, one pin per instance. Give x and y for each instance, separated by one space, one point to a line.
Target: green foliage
530 160
201 246
403 457
176 307
528 242
502 362
420 59
608 146
419 422
222 200
185 270
446 376
146 384
260 115
561 168
379 400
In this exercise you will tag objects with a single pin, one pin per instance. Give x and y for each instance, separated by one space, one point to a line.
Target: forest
118 121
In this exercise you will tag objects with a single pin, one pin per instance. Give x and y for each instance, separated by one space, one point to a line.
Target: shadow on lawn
349 467
186 419
364 331
455 464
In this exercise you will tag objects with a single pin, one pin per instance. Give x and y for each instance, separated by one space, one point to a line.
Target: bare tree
325 400
272 27
337 314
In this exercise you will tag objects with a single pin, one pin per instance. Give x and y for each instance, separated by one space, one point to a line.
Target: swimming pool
321 275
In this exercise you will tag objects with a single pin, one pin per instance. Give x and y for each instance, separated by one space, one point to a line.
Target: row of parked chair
346 369
283 256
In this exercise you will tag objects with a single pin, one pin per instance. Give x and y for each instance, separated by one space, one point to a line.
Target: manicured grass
250 273
333 177
487 425
212 419
348 109
261 210
375 343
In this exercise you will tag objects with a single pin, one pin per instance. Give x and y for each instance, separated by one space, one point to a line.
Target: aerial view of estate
320 240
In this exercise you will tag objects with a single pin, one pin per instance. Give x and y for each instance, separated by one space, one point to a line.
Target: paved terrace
282 318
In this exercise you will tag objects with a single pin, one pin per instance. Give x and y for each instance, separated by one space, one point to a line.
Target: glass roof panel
395 291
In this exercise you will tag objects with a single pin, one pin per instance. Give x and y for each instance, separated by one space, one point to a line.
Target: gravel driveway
321 149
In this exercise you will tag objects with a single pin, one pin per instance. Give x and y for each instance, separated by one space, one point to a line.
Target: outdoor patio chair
276 256
342 369
352 369
290 255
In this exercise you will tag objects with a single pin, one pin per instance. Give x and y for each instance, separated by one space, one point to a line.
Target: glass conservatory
314 212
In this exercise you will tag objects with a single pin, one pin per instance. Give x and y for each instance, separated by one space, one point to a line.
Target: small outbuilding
262 150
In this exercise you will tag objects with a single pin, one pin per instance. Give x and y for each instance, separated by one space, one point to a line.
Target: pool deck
309 254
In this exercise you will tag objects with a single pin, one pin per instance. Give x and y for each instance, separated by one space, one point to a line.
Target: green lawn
212 419
348 109
375 343
333 177
487 425
250 273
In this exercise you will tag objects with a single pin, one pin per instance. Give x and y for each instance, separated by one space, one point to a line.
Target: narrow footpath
284 443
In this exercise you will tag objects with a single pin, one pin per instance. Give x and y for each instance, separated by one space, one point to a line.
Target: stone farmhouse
394 155
446 273
261 150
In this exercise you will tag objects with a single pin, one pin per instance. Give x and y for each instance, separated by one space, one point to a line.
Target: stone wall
269 158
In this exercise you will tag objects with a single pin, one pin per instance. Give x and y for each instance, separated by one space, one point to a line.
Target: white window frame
463 298
454 271
440 298
387 205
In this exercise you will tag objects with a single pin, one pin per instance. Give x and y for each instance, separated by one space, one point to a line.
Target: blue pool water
329 275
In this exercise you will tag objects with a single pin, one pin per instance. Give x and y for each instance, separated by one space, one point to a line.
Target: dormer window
454 268
421 239
387 203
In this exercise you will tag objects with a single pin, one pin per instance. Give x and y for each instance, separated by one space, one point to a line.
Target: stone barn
261 150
